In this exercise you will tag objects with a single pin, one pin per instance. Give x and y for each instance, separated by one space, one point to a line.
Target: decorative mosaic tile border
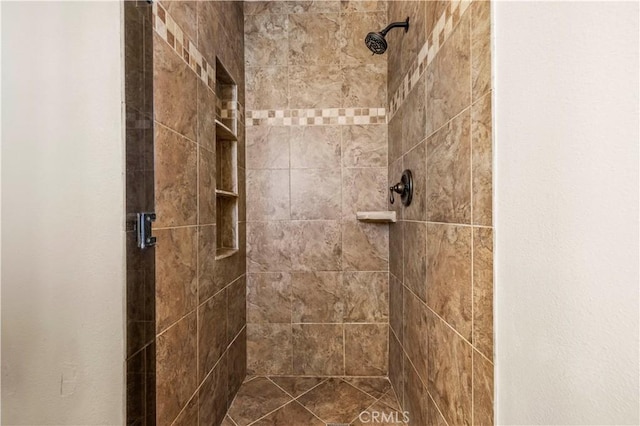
168 30
316 117
441 32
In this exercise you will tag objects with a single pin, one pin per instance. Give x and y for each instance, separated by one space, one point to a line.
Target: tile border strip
169 31
316 117
440 34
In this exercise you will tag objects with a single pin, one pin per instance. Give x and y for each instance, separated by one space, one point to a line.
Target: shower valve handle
398 188
404 188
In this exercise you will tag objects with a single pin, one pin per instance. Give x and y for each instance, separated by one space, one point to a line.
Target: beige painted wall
566 127
62 217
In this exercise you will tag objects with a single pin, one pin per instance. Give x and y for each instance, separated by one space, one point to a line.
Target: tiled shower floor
311 401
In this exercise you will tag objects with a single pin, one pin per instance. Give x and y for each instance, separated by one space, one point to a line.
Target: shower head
376 41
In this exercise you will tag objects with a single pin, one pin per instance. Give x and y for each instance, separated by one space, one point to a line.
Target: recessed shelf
377 217
221 253
229 194
224 133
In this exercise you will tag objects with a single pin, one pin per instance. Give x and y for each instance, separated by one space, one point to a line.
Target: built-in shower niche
226 163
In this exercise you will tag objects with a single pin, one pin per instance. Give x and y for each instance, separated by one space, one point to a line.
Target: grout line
438 408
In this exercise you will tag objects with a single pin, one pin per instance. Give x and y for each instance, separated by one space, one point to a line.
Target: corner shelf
227 194
222 253
224 133
377 217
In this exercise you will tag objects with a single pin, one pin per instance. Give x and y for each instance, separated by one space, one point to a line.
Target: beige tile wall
200 301
317 282
441 282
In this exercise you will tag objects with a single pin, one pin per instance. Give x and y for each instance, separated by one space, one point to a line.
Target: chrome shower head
377 43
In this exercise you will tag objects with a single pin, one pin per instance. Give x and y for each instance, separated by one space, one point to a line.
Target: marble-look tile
263 355
415 333
354 26
396 230
390 400
396 367
175 90
266 40
395 136
415 396
482 390
363 190
364 85
315 194
269 298
265 7
415 258
206 262
237 360
448 172
364 145
230 268
315 147
176 174
296 385
365 246
315 246
317 297
269 246
268 147
416 161
206 187
176 288
212 332
336 401
482 153
314 39
209 29
405 46
226 173
483 291
255 399
396 306
449 275
449 372
184 13
267 88
365 349
434 416
236 307
480 48
414 119
363 5
435 9
206 106
268 195
313 6
175 369
377 387
366 297
189 415
318 349
213 395
314 86
449 78
227 421
291 414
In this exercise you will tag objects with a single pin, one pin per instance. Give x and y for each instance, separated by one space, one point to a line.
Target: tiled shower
256 131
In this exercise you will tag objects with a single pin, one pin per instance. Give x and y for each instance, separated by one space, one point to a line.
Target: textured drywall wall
566 184
62 217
